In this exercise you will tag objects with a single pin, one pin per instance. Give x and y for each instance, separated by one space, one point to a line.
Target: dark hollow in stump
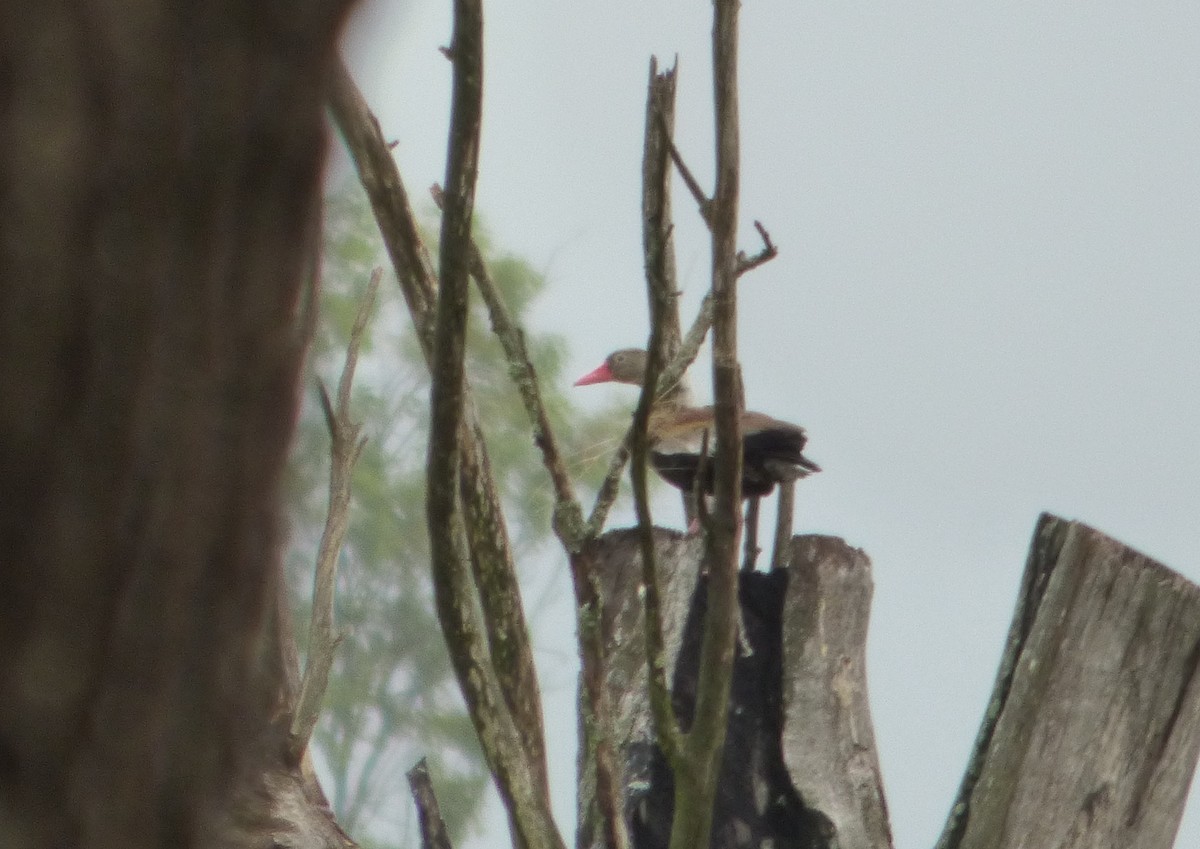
757 800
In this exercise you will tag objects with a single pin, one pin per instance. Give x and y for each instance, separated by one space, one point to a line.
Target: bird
772 449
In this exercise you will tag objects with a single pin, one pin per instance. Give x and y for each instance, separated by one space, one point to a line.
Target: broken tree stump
1092 731
1089 741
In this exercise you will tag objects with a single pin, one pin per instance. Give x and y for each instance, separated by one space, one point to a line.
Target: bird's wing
679 429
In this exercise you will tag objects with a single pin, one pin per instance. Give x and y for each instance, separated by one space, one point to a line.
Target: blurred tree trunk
160 188
1090 739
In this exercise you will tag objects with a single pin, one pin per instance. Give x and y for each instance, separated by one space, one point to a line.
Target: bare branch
658 250
492 588
695 787
702 200
389 201
429 814
666 729
705 204
768 252
664 341
453 588
345 448
568 525
568 514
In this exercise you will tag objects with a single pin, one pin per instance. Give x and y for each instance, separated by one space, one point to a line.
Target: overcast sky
985 303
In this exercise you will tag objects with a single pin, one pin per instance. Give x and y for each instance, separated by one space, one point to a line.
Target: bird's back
772 450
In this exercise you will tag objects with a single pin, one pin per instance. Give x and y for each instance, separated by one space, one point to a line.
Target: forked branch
492 649
346 445
568 525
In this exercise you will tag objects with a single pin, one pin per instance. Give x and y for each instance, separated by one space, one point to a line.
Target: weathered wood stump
1090 738
1092 732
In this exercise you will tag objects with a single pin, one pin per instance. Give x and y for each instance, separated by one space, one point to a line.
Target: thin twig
768 252
345 448
705 204
567 511
569 527
433 828
703 201
497 648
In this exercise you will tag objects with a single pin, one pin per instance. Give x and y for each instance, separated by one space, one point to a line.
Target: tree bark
160 187
1089 742
757 797
1093 728
828 741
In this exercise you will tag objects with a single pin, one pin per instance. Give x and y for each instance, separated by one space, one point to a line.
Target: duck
772 449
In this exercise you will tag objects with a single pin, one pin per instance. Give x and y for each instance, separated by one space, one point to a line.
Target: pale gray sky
985 304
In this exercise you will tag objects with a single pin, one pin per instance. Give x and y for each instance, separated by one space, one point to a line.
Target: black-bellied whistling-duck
772 450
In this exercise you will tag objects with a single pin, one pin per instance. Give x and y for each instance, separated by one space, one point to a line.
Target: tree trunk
160 186
1090 739
1092 732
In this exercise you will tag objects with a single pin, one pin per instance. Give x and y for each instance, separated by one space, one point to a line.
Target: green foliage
392 696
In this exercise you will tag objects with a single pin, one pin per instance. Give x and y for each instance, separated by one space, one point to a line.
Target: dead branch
569 527
768 252
703 202
454 586
345 447
429 813
662 304
389 201
1092 731
695 786
658 249
567 512
483 530
665 339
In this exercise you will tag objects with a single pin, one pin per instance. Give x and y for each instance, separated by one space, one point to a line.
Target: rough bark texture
160 187
495 596
618 570
1093 729
828 739
1089 742
757 800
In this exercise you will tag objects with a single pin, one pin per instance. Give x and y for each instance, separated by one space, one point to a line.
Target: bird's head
625 366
